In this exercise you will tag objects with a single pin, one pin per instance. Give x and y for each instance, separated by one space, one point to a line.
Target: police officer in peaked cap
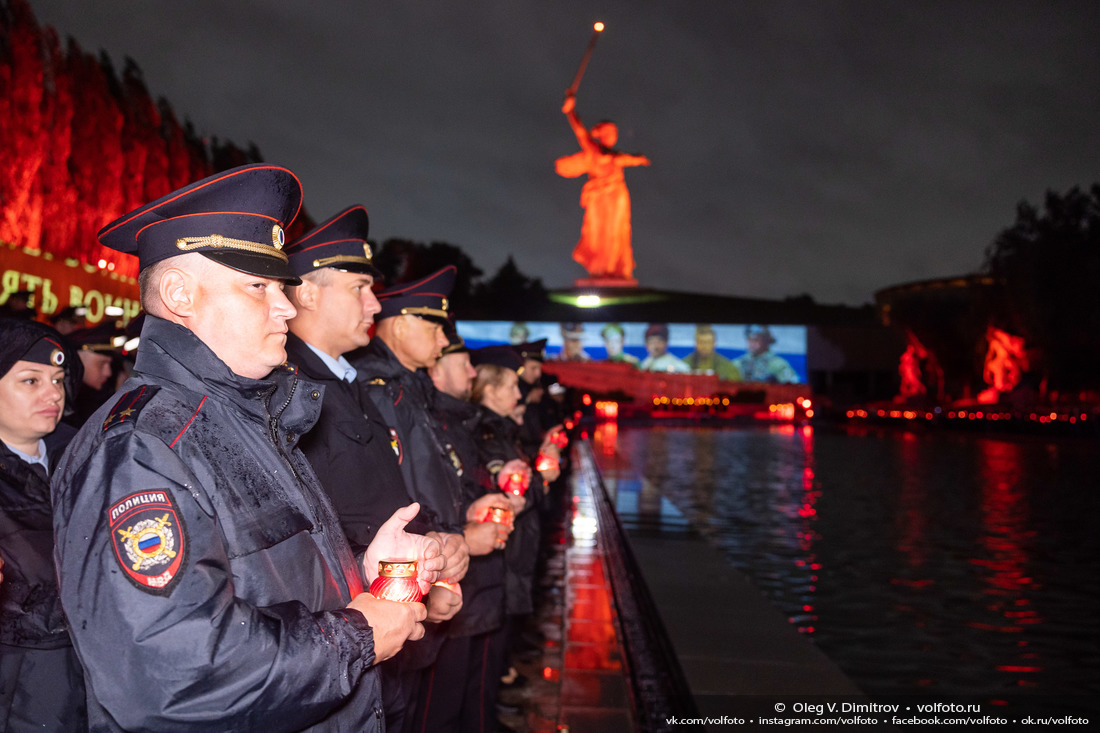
202 568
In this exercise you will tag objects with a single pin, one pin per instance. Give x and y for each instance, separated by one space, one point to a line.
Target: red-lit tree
71 161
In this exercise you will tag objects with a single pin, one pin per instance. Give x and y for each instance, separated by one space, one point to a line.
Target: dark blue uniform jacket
202 568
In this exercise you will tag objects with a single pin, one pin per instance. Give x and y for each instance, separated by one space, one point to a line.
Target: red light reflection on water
1003 559
808 515
607 438
1006 558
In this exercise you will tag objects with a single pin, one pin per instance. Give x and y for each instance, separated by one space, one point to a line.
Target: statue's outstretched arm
625 159
569 107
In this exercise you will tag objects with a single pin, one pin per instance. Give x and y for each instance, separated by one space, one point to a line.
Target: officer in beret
202 567
759 364
41 683
393 367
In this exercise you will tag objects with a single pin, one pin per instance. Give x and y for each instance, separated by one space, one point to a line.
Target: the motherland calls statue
604 247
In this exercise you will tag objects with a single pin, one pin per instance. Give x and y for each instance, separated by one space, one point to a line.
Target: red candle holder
497 515
517 483
546 463
396 581
559 438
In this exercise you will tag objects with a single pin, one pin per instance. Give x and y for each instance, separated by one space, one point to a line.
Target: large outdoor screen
735 352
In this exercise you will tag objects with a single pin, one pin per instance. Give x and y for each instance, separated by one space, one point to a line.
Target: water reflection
942 563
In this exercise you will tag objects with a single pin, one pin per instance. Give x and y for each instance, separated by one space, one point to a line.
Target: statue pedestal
605 282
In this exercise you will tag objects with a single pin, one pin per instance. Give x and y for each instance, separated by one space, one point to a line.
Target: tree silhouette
1047 267
510 291
402 261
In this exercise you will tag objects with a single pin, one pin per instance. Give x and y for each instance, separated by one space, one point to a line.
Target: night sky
828 148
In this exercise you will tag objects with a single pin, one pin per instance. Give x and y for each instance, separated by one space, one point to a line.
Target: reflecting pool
934 562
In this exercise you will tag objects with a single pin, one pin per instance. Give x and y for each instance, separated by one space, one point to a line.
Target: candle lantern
546 463
498 515
517 483
396 581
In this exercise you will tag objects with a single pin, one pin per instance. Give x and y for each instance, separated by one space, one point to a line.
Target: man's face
613 341
347 306
423 341
757 344
655 345
97 368
32 398
704 344
242 318
452 374
532 371
571 347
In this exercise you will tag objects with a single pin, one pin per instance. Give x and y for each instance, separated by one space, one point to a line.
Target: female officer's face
32 398
502 398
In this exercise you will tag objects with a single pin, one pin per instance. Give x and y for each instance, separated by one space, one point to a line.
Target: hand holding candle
392 541
514 477
396 581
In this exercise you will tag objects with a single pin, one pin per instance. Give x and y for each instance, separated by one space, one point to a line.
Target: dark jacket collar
500 424
171 353
377 361
299 354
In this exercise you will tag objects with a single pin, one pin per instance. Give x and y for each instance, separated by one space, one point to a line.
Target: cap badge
278 236
57 357
366 251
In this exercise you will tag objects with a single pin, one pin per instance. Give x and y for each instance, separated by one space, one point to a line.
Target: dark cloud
830 148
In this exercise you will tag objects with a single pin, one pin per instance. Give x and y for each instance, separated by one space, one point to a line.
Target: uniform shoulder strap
129 405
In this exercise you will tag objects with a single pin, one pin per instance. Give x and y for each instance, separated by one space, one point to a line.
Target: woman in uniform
41 682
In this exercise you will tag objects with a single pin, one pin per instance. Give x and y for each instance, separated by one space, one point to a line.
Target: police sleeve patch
149 539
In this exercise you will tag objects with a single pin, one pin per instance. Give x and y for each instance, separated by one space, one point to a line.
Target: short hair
149 281
320 277
612 328
487 374
704 329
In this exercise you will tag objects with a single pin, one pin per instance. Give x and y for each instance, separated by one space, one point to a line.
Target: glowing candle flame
598 27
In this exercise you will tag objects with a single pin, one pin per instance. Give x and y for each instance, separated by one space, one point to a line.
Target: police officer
458 694
41 685
350 448
407 341
202 568
98 355
502 457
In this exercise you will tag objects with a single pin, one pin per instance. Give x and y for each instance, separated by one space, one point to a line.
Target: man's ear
177 289
305 296
400 328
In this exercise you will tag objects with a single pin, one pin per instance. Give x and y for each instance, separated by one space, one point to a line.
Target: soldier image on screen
759 364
